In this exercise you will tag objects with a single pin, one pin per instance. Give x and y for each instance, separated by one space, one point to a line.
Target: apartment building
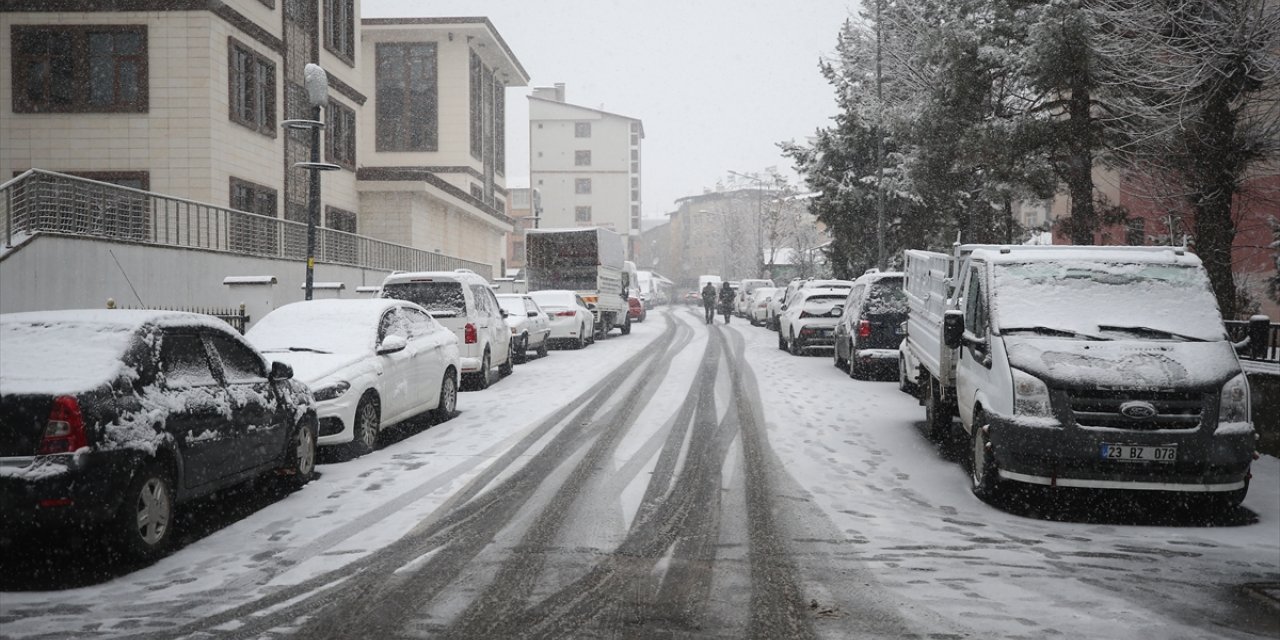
523 205
186 99
586 164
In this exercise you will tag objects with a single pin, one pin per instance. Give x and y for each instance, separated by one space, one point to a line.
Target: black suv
114 418
870 327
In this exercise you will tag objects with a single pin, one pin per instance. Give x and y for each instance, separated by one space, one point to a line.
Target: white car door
539 326
395 382
974 364
499 332
428 358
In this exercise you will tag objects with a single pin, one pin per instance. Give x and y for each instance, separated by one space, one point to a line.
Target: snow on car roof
331 325
1037 253
867 278
71 351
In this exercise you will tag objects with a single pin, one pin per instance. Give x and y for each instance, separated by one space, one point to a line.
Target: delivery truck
589 261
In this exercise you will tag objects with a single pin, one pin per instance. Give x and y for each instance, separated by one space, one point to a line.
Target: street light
759 219
316 82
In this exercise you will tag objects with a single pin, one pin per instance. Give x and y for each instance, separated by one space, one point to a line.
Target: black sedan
112 419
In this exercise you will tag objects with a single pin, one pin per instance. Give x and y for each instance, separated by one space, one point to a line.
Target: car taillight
64 431
806 314
566 314
469 333
864 329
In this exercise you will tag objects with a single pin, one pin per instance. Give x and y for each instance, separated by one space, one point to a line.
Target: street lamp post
316 83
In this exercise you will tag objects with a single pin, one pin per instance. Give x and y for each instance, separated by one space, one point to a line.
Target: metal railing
1264 351
238 317
41 201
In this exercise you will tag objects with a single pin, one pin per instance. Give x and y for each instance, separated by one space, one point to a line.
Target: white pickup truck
1095 367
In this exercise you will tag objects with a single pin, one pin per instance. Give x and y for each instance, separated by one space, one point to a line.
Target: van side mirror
1256 339
953 328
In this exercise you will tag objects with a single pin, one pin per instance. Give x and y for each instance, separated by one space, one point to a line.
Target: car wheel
542 348
582 337
144 521
983 476
841 363
857 370
519 349
481 379
506 368
782 342
448 398
626 325
794 346
300 464
368 422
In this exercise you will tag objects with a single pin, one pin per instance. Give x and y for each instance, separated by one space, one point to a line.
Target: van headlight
1030 396
1234 403
331 391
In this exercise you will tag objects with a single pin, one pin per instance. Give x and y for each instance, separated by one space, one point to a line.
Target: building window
635 195
253 198
582 158
582 185
477 192
499 127
477 108
635 167
517 250
339 219
1136 232
582 214
635 127
635 139
89 69
252 86
582 129
340 29
407 117
340 136
635 155
635 182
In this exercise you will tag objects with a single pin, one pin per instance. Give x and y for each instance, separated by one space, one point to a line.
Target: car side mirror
392 344
953 328
533 314
280 371
504 313
591 306
837 310
1255 343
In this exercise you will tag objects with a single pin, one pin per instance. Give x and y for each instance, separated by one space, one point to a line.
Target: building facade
586 164
522 207
187 99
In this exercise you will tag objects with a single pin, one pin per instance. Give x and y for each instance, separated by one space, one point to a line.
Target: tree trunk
1079 167
1215 170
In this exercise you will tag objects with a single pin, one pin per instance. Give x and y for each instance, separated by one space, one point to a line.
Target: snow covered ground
886 508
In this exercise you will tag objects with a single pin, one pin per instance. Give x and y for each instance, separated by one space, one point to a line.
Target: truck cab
1098 368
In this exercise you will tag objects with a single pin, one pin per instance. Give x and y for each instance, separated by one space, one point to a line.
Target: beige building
188 102
522 206
586 164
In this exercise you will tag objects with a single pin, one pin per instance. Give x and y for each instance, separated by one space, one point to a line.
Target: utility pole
316 83
881 262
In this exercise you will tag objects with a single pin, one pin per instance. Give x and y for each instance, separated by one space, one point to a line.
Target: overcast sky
717 83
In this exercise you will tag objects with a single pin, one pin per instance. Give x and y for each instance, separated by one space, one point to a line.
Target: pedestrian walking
726 300
709 301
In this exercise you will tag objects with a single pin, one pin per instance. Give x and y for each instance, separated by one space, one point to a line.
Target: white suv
462 301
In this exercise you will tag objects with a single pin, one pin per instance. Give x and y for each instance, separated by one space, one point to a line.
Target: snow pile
335 326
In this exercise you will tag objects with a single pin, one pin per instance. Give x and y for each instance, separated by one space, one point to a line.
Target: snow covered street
689 481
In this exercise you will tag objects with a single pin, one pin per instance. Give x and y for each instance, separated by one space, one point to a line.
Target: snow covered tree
1202 107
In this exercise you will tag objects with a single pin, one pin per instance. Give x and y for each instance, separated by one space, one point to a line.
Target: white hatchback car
571 321
462 301
370 363
530 326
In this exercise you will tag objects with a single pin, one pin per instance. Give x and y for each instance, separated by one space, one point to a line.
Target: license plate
1138 453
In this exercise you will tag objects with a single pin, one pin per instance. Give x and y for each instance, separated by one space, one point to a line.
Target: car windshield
317 327
1096 297
553 299
440 298
512 304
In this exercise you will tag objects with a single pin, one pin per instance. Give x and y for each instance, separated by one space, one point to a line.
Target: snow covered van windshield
1108 300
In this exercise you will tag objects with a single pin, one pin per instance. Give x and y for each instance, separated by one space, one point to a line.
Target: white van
463 301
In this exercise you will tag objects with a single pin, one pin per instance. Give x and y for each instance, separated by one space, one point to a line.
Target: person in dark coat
709 301
726 300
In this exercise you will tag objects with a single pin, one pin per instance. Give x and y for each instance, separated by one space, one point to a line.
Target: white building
188 103
586 164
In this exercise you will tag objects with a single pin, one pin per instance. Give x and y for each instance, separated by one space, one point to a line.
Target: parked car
637 309
809 319
871 327
797 284
758 305
117 418
571 320
371 363
741 304
530 326
462 301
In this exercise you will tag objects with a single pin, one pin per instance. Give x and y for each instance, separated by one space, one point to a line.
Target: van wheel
983 475
144 521
905 383
481 379
937 413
